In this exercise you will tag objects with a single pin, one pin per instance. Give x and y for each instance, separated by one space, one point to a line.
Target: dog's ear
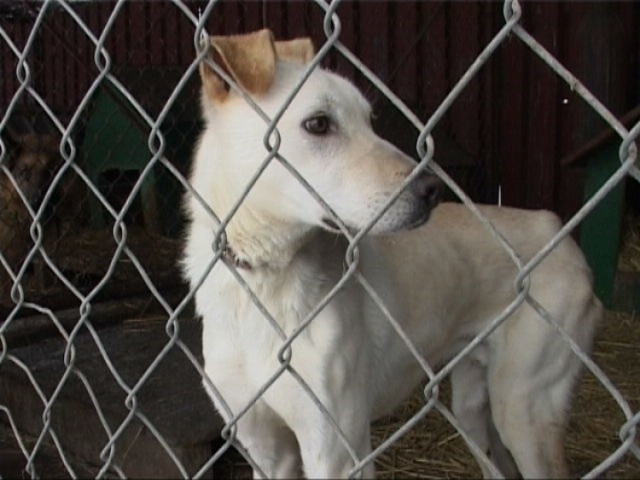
249 59
299 50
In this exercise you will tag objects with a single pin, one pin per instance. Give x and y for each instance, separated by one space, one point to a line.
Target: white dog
443 281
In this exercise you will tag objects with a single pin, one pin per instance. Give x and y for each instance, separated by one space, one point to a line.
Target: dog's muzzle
420 198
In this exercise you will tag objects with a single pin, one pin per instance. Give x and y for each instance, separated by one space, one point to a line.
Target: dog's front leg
270 443
324 453
323 450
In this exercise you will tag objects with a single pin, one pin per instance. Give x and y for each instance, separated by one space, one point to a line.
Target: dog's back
455 269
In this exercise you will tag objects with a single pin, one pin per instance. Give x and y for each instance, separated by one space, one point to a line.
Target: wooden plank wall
510 127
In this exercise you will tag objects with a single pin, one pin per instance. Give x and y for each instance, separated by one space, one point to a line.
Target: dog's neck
254 240
262 245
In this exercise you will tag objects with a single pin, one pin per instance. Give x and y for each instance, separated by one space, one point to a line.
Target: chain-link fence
100 362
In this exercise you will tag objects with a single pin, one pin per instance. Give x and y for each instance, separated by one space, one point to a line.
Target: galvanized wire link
271 136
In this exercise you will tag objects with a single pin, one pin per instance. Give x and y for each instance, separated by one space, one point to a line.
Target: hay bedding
597 418
85 256
629 259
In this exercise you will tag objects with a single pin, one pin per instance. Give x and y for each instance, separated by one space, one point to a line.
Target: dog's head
326 135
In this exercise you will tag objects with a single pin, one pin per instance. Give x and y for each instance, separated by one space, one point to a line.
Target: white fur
443 282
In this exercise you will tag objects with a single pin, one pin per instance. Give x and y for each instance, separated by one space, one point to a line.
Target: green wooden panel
115 138
600 230
112 141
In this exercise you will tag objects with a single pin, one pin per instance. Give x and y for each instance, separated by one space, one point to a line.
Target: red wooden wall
511 127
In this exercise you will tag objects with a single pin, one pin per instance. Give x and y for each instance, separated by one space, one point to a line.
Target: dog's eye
317 125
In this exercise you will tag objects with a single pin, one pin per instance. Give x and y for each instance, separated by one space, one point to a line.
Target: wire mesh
31 240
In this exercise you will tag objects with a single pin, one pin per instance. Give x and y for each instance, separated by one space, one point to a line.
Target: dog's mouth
424 218
333 227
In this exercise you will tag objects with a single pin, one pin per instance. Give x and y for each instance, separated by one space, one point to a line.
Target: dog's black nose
429 188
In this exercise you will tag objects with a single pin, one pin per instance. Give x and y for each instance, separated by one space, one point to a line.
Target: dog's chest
247 330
